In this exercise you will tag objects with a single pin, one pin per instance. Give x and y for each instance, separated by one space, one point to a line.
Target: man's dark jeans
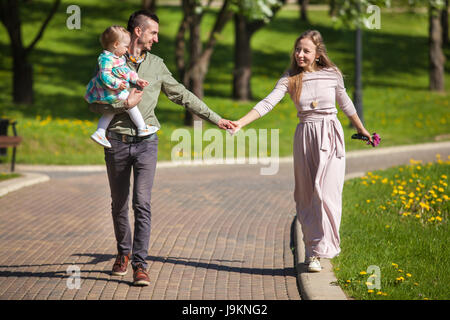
120 159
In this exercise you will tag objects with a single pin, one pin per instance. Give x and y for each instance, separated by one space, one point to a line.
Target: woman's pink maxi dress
319 157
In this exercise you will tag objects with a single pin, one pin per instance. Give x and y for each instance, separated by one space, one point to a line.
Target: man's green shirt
160 79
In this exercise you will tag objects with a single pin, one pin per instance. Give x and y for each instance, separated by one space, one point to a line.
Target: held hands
237 127
225 124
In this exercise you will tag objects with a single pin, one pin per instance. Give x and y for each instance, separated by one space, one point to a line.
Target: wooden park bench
14 141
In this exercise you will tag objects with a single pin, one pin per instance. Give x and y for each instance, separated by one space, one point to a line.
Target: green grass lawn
6 176
398 221
56 129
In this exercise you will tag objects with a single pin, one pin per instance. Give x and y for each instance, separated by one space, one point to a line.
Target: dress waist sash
336 134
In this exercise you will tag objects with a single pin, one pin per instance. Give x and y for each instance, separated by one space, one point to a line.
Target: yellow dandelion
409 275
411 195
395 265
363 273
444 176
424 205
370 291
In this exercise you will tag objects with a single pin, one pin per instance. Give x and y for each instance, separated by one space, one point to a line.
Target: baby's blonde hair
111 35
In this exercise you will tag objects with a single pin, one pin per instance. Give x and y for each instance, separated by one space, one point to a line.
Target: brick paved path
221 232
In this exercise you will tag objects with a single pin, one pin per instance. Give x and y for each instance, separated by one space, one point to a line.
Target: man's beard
144 49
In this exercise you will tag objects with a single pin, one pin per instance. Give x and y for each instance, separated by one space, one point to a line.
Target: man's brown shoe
140 276
120 265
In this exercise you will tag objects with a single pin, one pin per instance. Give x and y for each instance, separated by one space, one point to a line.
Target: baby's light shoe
148 130
101 139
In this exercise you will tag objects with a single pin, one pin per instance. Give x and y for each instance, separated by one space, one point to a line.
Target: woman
314 84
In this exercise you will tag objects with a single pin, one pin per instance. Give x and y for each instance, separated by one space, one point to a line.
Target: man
140 153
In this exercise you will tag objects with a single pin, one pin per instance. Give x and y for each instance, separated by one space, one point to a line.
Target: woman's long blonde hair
296 72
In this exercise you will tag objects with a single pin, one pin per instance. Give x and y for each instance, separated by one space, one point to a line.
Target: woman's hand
225 124
237 127
356 122
365 133
251 116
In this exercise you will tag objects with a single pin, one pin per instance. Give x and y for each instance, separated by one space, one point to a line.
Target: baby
111 83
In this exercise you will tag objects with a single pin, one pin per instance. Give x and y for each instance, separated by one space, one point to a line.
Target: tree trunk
22 69
242 59
242 73
333 8
195 73
22 79
180 48
149 5
436 56
303 9
193 79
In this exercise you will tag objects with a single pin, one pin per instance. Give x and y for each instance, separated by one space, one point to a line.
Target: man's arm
178 94
133 99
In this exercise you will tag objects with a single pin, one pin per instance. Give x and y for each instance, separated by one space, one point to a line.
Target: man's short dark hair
136 19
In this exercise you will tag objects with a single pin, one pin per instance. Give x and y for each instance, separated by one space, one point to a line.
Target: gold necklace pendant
314 104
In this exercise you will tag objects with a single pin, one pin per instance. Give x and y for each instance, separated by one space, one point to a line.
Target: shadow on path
100 258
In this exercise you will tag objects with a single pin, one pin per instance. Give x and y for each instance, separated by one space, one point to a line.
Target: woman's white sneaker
314 264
